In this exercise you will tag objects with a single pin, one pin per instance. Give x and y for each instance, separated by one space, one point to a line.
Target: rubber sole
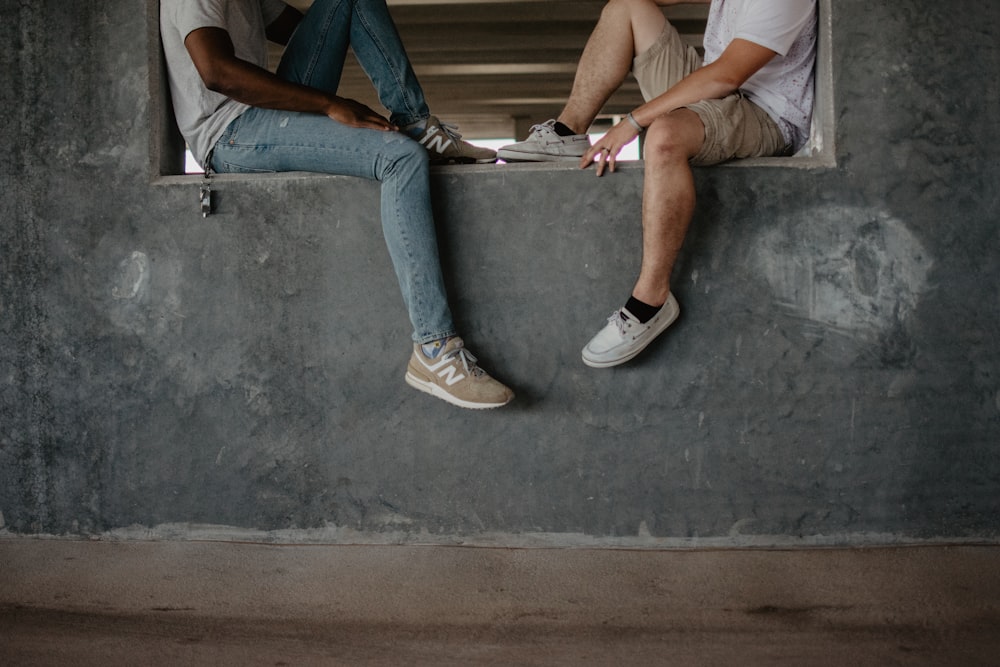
515 156
438 392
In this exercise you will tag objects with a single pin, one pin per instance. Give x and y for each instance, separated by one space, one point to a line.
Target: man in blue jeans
236 116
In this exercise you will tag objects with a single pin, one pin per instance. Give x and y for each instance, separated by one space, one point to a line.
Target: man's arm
214 57
280 31
740 60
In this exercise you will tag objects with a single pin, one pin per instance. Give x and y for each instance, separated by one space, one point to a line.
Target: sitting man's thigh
677 135
735 127
267 140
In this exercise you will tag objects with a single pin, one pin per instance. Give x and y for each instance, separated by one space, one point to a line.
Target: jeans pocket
228 135
227 167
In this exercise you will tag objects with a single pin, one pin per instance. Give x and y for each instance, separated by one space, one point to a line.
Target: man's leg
380 53
705 133
316 53
626 28
667 207
264 140
668 200
270 140
315 57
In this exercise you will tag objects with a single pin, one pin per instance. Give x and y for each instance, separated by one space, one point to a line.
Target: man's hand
605 152
355 114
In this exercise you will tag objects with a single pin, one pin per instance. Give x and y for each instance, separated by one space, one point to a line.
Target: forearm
258 87
702 84
221 71
213 55
280 31
735 66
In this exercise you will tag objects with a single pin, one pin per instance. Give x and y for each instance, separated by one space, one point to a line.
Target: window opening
504 65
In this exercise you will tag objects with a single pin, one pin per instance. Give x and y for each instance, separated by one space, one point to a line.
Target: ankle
416 127
569 125
642 311
653 297
564 130
433 348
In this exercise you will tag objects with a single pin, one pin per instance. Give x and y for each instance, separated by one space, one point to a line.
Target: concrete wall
834 377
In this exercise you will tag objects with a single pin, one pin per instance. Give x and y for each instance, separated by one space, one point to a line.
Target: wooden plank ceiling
496 66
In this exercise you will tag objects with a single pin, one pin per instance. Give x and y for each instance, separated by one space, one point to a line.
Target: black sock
563 130
642 311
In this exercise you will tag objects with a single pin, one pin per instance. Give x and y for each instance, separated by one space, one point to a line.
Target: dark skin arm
214 56
281 30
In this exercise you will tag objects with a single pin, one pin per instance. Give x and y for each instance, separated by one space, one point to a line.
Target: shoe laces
451 130
467 359
548 127
619 320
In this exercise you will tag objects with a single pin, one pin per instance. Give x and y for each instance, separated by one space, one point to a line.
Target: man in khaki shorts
751 96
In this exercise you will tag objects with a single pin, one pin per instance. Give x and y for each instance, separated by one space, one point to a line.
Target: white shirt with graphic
784 87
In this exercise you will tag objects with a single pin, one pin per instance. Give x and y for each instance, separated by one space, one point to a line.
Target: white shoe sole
662 326
438 392
439 162
519 156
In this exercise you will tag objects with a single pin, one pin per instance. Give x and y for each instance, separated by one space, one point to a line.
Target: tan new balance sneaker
445 144
450 373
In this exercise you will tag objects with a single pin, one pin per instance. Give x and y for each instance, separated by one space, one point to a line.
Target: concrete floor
210 603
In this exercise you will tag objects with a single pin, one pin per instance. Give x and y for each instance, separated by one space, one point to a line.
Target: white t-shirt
203 115
784 86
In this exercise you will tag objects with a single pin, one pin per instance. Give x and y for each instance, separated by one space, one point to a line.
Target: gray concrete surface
832 379
171 603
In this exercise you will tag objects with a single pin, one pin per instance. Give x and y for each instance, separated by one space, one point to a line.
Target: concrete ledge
209 603
818 161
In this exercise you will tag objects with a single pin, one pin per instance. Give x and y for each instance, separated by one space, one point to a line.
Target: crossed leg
316 53
626 28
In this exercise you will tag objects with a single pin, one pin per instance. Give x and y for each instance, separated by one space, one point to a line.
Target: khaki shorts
735 127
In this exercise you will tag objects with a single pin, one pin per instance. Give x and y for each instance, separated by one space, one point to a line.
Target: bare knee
644 18
630 6
635 12
678 136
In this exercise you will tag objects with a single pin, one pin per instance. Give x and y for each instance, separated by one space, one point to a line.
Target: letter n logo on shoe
445 370
435 140
448 374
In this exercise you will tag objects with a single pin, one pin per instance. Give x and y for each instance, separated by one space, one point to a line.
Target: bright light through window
191 165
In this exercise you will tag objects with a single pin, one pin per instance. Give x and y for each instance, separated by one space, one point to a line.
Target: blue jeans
266 140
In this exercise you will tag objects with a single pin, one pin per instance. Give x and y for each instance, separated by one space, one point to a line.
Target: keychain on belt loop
206 189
